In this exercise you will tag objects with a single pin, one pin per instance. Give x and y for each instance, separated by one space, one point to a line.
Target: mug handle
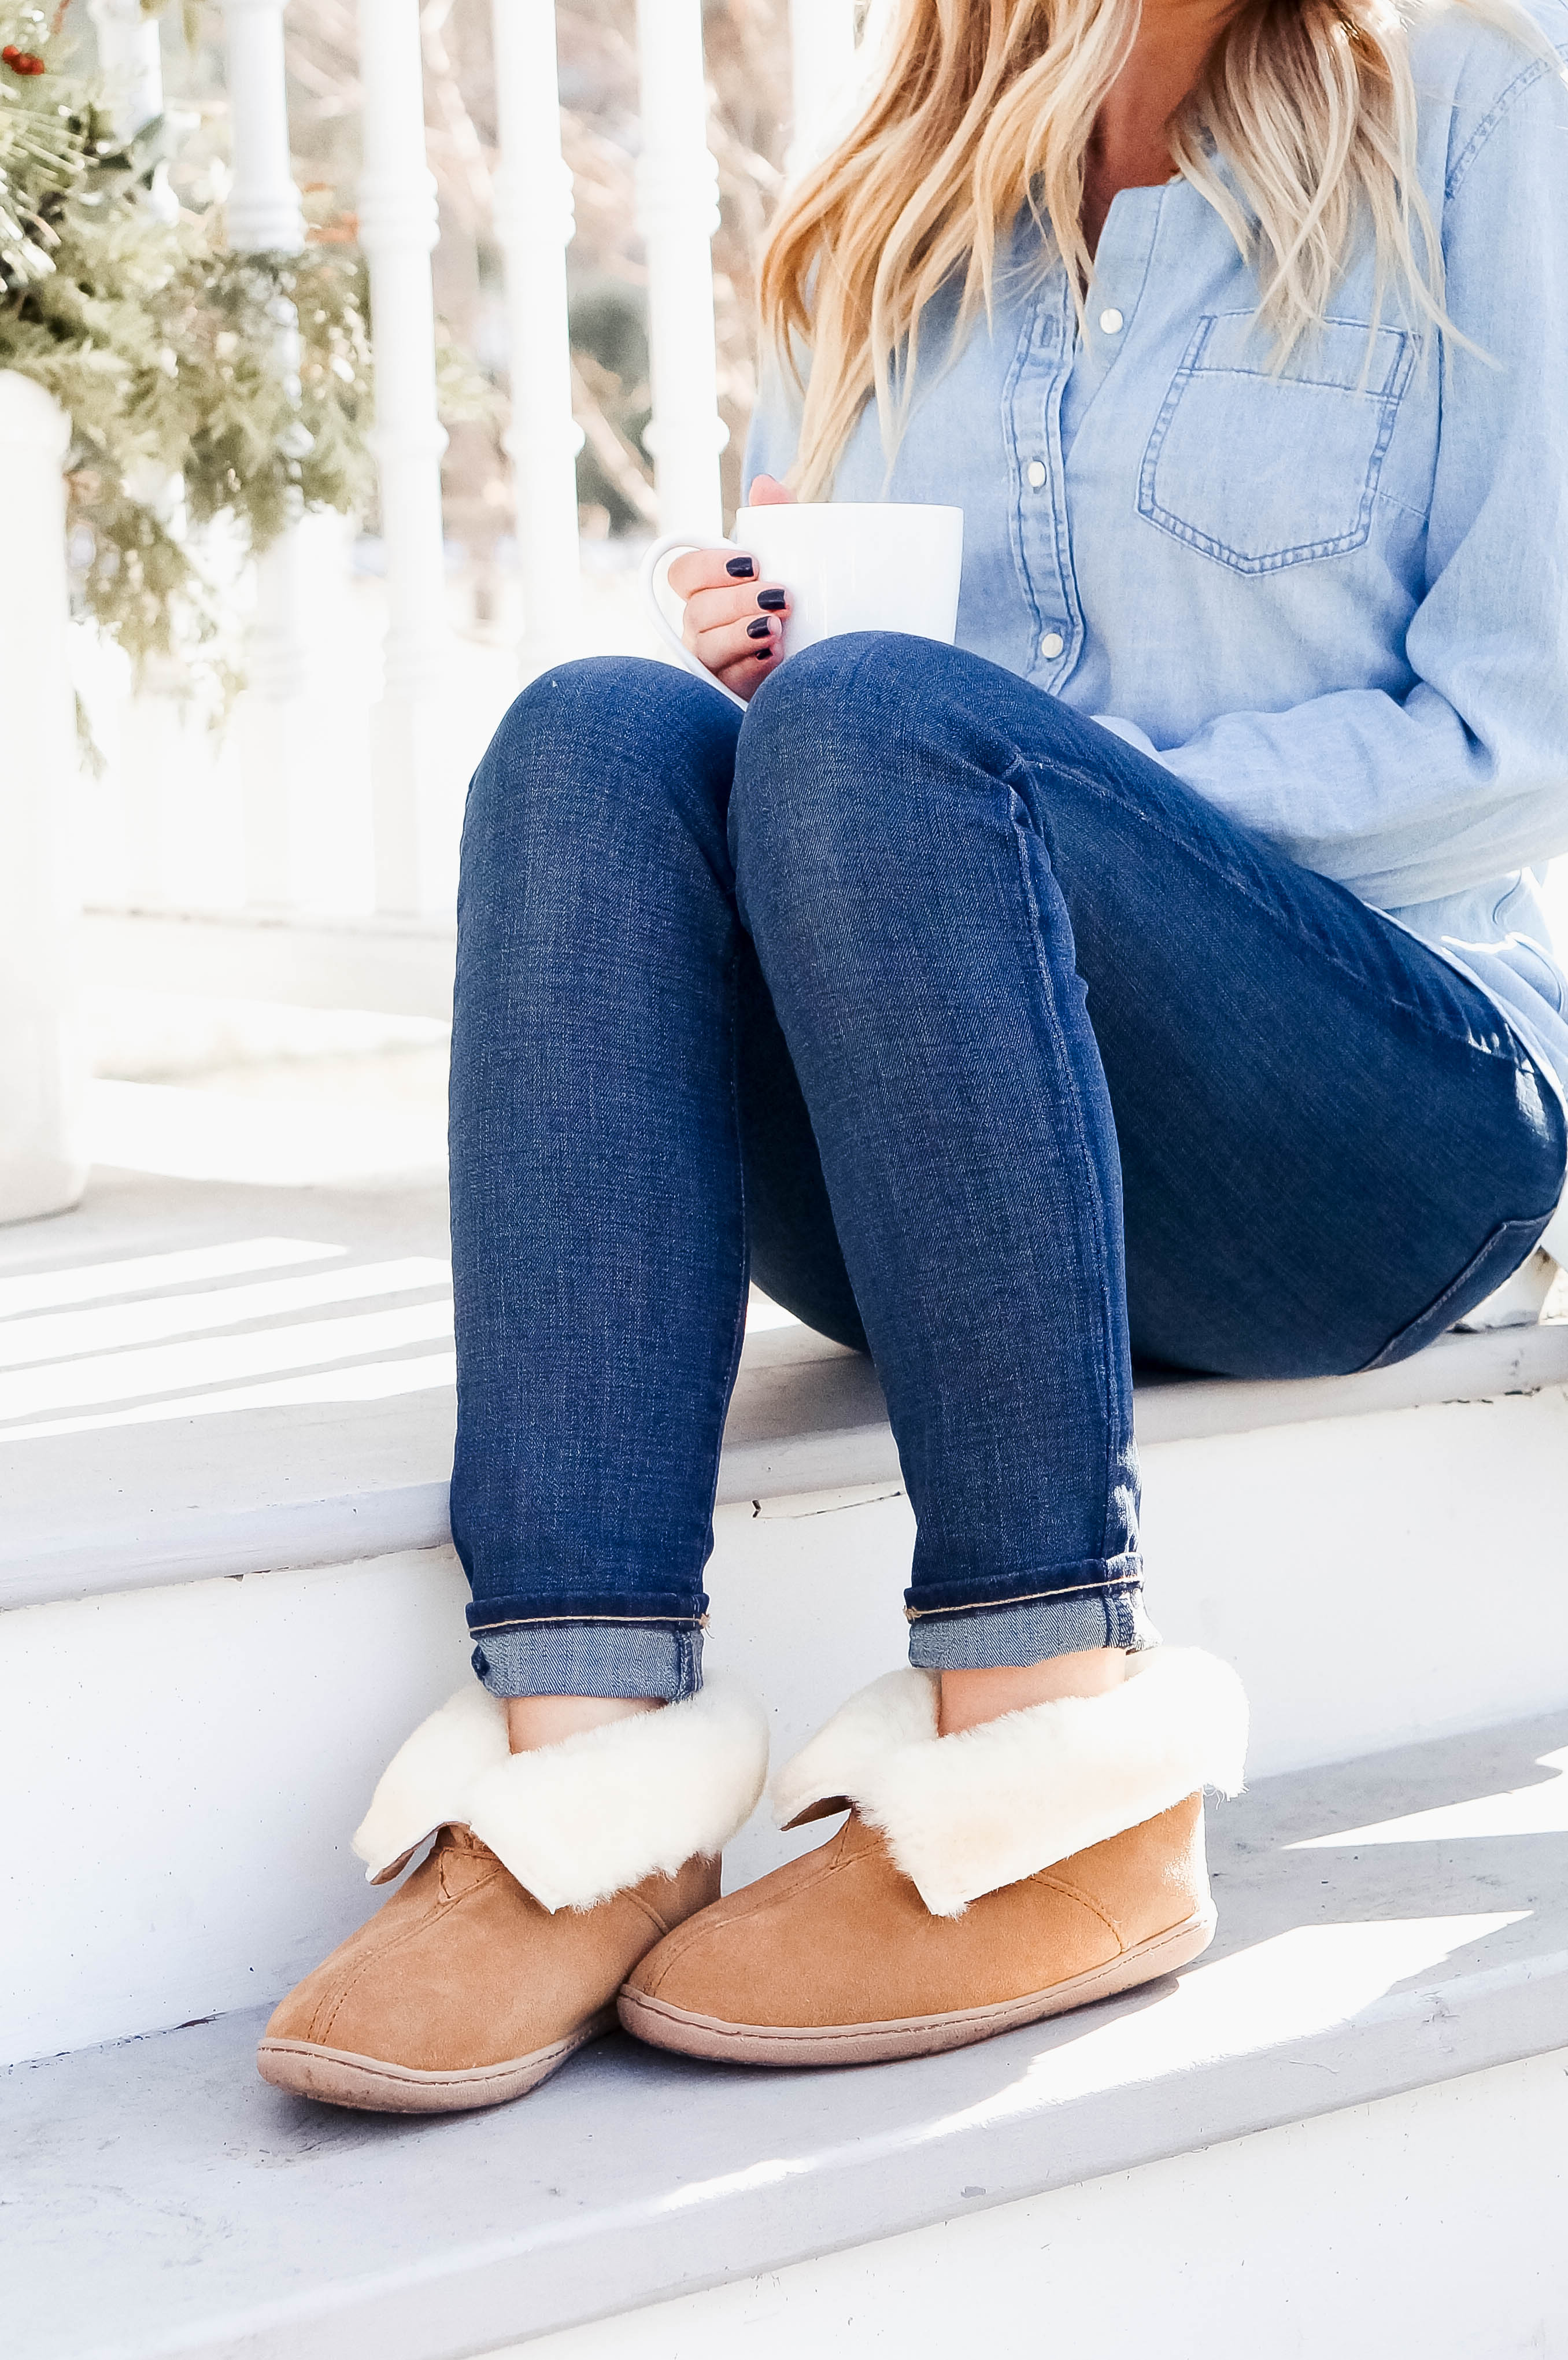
667 547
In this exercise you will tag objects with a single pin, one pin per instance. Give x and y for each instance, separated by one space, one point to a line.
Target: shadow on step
1463 1830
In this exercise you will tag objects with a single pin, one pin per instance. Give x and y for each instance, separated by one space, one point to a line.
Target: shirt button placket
1040 481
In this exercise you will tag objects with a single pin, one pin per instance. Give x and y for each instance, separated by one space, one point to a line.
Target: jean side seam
737 1324
1105 1341
737 1327
1200 854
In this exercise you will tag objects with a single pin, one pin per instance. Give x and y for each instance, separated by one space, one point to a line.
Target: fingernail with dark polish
759 629
762 654
742 568
772 599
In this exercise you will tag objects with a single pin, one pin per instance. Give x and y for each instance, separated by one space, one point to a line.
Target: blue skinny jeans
985 1045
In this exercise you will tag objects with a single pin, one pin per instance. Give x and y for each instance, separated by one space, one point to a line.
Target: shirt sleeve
1465 776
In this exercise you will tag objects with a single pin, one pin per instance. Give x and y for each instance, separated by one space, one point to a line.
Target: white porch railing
245 915
534 226
43 1155
264 216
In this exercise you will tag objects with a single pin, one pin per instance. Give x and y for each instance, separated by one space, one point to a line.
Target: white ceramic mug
856 565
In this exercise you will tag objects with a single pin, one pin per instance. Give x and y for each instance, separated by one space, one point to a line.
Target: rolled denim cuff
960 1629
565 1649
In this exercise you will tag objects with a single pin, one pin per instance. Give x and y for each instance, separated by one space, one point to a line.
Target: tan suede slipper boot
982 1881
552 1874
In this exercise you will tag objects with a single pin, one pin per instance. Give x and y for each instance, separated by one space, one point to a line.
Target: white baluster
263 211
823 59
678 209
131 66
534 225
130 62
43 1162
152 731
397 230
265 217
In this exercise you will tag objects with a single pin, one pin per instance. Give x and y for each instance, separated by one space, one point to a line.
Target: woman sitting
1159 972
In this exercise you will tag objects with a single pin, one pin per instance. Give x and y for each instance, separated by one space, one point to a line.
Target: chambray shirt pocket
1260 467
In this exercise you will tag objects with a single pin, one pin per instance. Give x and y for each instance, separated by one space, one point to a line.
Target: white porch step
337 1445
223 1615
1396 1925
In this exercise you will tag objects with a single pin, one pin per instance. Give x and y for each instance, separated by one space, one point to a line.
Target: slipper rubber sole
338 2077
654 2020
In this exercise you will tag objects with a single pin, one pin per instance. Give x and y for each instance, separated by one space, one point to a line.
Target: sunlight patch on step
118 1356
1539 1811
168 1368
761 1311
1304 1981
381 1380
89 1282
55 1335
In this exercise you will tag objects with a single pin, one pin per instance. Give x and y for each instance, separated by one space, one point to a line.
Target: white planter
43 1166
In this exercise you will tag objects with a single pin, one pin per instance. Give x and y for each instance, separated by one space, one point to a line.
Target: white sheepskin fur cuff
578 1822
968 1814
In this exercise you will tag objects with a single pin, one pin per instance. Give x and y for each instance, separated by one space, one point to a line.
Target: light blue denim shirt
1334 599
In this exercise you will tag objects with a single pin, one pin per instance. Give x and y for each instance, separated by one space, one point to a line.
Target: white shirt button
1112 322
1052 644
1036 473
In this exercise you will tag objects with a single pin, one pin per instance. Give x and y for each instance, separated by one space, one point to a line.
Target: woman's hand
733 622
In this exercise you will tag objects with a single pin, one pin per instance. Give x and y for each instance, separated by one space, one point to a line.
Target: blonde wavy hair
982 108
